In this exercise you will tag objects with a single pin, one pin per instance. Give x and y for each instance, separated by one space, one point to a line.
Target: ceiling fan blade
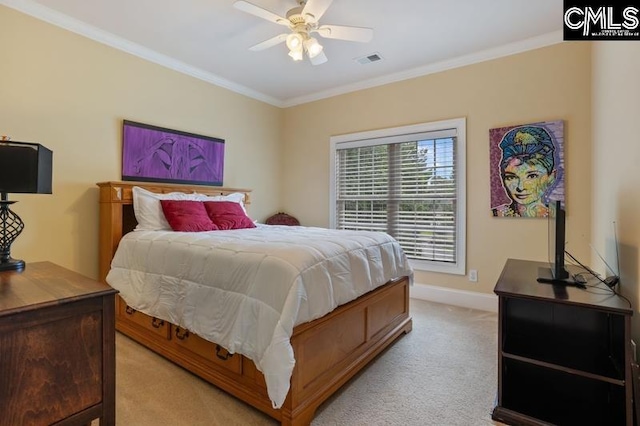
316 8
260 12
320 58
269 43
341 32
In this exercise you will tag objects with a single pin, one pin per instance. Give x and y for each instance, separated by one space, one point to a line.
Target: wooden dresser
57 347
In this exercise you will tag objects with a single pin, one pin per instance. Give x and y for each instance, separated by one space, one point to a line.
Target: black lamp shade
25 168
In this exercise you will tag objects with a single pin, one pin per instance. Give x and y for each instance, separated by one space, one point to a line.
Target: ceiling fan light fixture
313 47
302 21
294 41
320 59
296 54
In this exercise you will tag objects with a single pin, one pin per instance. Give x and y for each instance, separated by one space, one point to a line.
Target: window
409 182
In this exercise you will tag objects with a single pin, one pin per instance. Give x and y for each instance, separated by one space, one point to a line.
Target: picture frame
157 154
526 168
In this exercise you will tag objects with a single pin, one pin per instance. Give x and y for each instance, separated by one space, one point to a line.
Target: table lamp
24 168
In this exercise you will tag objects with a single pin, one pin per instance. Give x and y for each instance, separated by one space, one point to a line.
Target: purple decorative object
156 154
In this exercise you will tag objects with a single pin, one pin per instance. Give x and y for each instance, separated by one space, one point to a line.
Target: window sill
440 267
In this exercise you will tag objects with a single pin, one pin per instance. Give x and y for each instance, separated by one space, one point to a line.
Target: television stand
564 354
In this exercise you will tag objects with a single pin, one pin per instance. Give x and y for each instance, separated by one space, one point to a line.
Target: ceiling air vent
367 59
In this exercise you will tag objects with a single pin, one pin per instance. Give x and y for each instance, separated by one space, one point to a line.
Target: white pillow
148 210
236 197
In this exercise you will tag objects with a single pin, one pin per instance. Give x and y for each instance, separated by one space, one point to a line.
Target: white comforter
246 289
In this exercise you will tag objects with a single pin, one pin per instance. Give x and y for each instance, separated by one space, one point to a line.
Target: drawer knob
157 323
223 356
182 333
129 310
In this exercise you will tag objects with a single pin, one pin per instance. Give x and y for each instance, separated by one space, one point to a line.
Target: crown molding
43 13
60 20
461 61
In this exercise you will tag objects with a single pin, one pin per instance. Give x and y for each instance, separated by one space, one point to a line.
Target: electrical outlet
473 275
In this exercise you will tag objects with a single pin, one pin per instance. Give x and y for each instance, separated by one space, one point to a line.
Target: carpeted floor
442 373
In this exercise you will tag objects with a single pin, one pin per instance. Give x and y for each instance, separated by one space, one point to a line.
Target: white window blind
406 185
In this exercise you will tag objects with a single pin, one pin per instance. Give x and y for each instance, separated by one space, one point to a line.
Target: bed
328 350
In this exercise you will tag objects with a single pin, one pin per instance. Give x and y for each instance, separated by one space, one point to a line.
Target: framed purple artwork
156 154
526 169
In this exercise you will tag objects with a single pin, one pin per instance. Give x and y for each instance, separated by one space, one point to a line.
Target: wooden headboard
116 211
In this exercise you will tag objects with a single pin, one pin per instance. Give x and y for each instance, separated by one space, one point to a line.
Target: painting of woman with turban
526 169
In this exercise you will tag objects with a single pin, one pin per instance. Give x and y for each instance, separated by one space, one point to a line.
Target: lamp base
10 227
12 264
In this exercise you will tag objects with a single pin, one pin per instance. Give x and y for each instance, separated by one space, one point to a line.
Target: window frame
402 134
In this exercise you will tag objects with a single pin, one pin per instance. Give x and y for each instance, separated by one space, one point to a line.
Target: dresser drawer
127 314
211 352
57 348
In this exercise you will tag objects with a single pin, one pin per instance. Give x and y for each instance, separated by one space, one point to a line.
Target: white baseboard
466 299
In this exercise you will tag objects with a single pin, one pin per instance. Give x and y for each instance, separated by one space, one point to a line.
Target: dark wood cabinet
57 348
564 353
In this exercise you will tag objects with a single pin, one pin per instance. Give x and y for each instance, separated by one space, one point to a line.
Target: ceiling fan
303 22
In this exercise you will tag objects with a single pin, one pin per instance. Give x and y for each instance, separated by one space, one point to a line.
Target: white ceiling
210 39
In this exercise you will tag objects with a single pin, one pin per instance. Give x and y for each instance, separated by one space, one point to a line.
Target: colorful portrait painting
156 154
527 168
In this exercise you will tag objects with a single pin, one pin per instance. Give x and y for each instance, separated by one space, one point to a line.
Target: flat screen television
556 273
556 236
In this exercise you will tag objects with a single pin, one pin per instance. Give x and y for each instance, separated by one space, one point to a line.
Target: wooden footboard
328 351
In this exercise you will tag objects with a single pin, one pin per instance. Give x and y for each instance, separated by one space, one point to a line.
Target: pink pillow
228 215
187 216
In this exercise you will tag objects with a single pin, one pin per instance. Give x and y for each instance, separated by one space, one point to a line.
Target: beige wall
616 156
71 94
545 84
